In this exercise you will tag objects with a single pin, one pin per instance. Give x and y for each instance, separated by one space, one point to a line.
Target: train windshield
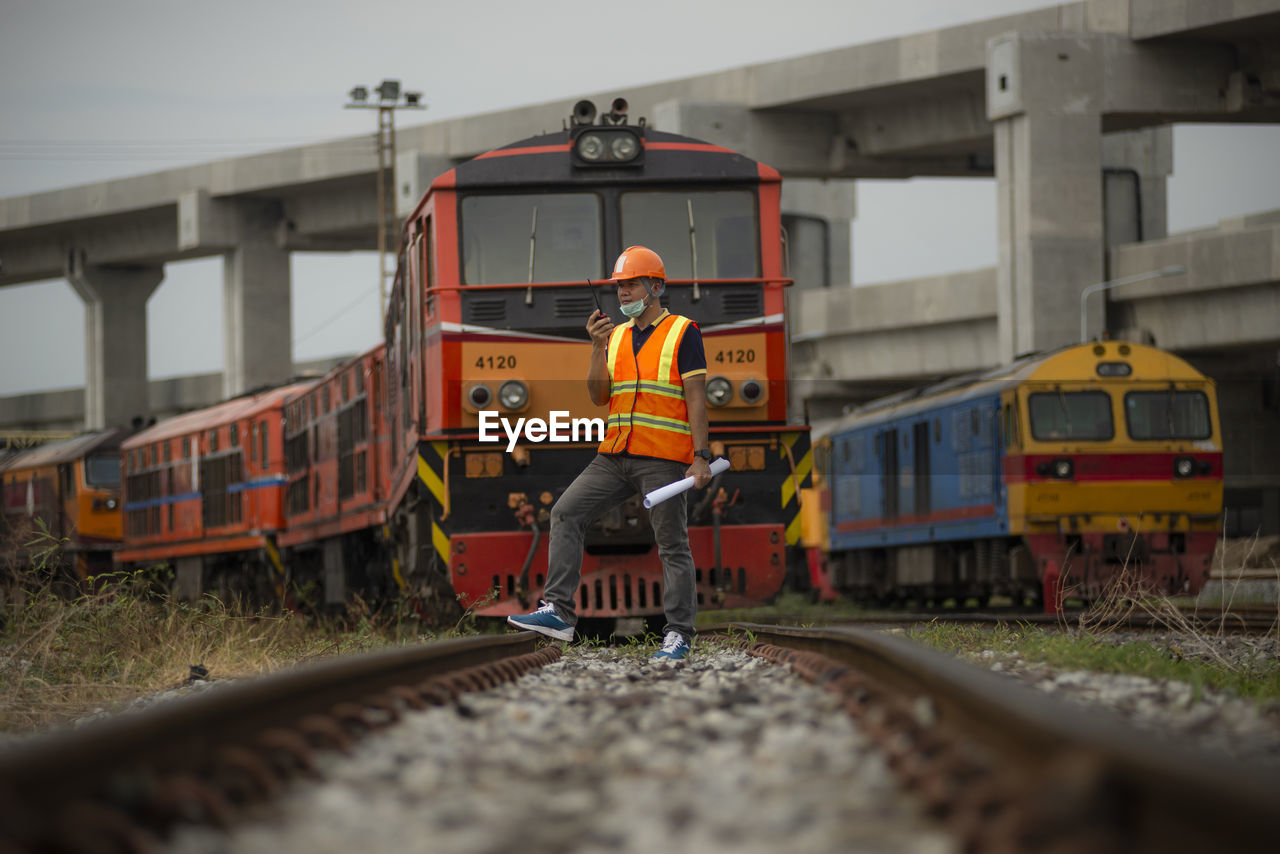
724 231
1167 415
102 471
1071 415
558 234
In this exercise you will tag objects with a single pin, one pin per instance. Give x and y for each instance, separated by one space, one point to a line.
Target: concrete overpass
1067 107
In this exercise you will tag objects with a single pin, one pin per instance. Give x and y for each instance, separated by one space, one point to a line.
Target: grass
64 656
796 605
1260 680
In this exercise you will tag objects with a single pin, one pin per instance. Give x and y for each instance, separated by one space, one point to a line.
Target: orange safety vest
647 413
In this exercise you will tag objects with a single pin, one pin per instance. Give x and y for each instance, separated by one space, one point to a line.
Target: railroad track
1237 620
1003 767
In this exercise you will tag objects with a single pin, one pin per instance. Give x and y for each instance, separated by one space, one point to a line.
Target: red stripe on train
1020 468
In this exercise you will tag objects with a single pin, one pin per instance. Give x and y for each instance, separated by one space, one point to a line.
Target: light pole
1173 270
389 100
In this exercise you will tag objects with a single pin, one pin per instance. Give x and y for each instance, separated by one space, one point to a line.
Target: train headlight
719 391
513 394
480 396
1061 469
608 146
751 391
112 504
623 146
591 147
1184 467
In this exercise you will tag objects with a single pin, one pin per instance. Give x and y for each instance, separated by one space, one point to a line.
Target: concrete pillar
115 332
834 203
1044 98
257 331
1136 166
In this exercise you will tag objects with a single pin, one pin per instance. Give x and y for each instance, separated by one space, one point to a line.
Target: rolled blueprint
662 493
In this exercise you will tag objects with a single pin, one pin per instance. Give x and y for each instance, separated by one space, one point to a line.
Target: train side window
186 447
937 431
324 407
213 441
263 447
235 435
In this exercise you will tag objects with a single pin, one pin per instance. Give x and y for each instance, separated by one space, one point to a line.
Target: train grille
575 306
741 304
485 310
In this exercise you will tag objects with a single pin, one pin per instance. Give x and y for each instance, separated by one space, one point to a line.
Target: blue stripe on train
256 483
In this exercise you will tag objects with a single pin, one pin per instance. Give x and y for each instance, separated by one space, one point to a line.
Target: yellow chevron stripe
802 471
793 531
274 554
441 541
431 479
395 572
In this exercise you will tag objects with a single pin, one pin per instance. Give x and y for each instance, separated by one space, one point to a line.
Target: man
652 371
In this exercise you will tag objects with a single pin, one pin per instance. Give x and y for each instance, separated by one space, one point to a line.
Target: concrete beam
148 238
800 144
1155 18
858 339
1230 292
955 122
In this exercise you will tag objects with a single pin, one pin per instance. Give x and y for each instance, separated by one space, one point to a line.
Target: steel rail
124 762
1148 795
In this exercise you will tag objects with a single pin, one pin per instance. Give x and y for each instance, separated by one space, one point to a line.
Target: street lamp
1173 270
389 100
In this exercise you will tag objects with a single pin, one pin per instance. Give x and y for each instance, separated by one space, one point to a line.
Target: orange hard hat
638 261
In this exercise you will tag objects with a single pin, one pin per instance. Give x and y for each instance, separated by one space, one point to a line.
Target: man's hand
700 471
599 326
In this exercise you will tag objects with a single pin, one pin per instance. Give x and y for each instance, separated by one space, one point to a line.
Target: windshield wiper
1066 413
533 240
693 251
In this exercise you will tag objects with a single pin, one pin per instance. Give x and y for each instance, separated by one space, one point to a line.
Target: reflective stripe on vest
647 412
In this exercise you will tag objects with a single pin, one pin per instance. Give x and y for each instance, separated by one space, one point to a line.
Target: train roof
376 351
1072 363
63 451
548 159
214 416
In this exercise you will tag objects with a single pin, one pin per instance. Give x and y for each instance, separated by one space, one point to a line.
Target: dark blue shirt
691 359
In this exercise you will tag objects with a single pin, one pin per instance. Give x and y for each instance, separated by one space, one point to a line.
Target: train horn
584 112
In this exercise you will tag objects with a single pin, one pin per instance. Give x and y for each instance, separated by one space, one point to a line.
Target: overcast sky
92 90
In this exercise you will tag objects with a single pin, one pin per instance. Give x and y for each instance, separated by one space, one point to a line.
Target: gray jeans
608 480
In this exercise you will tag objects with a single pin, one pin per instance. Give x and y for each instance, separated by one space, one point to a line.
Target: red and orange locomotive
488 322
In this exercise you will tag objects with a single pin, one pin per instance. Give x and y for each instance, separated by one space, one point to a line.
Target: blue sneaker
544 621
674 648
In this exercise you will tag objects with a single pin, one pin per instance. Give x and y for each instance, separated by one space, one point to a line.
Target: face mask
634 309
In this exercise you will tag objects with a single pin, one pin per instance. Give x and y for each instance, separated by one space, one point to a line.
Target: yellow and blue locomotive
1061 472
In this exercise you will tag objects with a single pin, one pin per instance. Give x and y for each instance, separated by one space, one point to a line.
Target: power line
336 315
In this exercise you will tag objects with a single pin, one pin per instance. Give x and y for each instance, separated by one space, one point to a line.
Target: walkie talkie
595 296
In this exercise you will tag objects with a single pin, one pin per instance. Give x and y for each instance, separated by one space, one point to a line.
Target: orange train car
205 492
337 453
73 488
